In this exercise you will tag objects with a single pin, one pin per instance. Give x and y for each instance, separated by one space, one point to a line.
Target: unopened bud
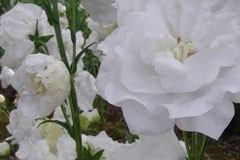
4 149
2 98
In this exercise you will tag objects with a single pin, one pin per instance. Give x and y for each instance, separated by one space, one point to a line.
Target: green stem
58 33
76 122
203 146
66 116
194 146
102 110
5 112
73 34
185 137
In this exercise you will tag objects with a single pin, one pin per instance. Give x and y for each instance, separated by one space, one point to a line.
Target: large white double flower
43 84
174 62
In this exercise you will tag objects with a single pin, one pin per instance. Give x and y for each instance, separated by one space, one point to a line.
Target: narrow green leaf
98 155
79 56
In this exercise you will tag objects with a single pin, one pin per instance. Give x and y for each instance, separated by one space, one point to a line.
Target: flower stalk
76 122
195 149
73 102
58 33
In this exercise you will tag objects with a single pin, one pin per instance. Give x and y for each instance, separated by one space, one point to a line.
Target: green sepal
88 155
46 38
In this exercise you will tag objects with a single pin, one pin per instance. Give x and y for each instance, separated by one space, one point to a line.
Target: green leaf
79 56
50 14
98 155
89 156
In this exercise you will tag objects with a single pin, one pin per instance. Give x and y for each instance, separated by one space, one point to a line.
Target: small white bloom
103 12
5 76
62 16
2 98
43 84
16 25
19 126
34 150
86 90
98 34
4 149
58 115
102 21
51 132
92 116
66 148
67 42
102 142
165 146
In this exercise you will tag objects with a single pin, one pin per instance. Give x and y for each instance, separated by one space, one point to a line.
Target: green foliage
74 67
82 23
1 52
26 1
5 109
91 63
6 5
88 155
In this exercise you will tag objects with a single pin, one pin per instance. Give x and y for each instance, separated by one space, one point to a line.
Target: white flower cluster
164 62
42 81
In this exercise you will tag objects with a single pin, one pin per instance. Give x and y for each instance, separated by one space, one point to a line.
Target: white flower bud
92 116
4 149
2 98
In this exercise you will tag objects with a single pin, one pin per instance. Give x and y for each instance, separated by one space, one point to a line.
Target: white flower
98 34
16 25
173 62
86 90
4 149
2 98
62 16
19 126
166 147
5 76
163 147
58 115
92 116
103 12
34 150
68 45
102 142
102 21
43 84
30 135
51 133
66 148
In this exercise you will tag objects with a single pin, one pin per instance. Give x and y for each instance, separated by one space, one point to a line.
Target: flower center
183 50
41 89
